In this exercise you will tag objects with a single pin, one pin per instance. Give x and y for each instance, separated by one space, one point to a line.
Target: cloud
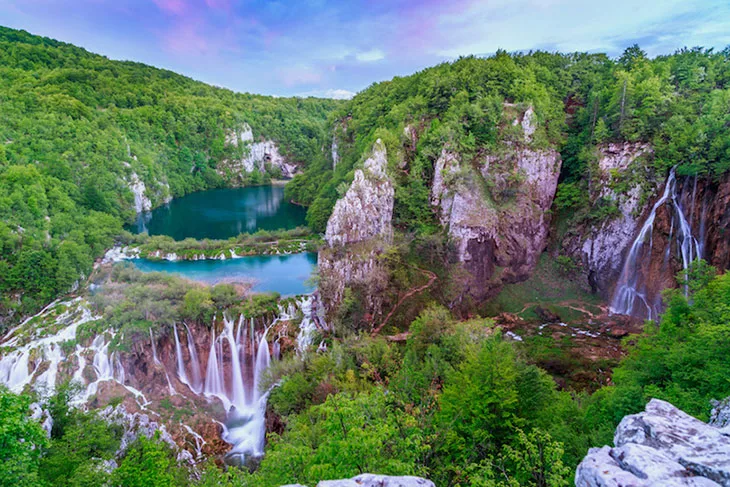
176 7
370 56
336 94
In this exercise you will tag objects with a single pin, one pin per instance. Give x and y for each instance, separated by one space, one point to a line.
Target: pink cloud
184 38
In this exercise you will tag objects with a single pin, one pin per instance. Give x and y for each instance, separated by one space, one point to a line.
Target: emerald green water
222 213
285 274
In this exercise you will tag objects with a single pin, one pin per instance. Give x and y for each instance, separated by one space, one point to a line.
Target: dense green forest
454 401
678 103
457 404
75 125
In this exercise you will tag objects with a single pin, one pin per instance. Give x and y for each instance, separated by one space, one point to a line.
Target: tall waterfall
194 363
239 390
631 296
181 374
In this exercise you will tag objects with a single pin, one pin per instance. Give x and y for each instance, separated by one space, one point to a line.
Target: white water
239 391
194 363
307 327
631 296
181 374
238 357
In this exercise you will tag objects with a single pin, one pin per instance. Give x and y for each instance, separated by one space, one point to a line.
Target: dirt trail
574 304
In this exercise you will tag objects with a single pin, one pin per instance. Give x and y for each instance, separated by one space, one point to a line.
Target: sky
337 48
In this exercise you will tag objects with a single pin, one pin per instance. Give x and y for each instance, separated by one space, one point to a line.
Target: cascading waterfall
631 294
154 349
181 374
246 423
307 327
194 363
239 355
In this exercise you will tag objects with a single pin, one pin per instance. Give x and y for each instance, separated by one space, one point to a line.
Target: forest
457 404
74 126
455 401
678 103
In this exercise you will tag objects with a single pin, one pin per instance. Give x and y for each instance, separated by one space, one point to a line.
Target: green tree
21 441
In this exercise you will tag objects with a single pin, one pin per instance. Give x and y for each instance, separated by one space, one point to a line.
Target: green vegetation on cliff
678 103
74 126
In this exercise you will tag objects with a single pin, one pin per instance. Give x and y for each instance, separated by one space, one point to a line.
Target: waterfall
180 363
79 373
154 349
631 294
214 374
237 386
307 326
194 362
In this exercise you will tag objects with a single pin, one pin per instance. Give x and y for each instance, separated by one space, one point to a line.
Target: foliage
149 462
76 126
345 436
21 440
681 360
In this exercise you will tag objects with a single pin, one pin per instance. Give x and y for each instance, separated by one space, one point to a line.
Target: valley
489 258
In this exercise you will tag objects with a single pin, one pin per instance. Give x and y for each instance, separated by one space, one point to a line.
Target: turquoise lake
222 213
284 274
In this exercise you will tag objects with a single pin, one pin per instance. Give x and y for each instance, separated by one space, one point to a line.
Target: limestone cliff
496 209
358 230
661 226
256 155
599 245
660 446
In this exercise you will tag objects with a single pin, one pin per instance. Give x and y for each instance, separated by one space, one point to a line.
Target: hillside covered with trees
678 103
75 125
441 390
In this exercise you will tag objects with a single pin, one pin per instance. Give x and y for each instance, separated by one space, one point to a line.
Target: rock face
366 210
256 155
597 246
661 446
668 223
496 210
138 188
358 230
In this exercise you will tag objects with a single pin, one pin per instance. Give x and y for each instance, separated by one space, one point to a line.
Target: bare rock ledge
661 446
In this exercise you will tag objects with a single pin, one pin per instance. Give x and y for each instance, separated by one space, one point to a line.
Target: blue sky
335 48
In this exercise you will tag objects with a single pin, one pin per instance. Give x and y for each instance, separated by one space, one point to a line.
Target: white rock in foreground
371 480
661 446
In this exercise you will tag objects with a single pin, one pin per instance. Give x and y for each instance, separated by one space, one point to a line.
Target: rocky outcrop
660 446
366 210
256 155
138 188
371 480
358 230
496 209
597 245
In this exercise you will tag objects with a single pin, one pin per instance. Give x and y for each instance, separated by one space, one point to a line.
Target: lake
284 274
222 213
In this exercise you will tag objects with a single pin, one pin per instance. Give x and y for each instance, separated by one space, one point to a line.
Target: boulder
660 446
371 480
